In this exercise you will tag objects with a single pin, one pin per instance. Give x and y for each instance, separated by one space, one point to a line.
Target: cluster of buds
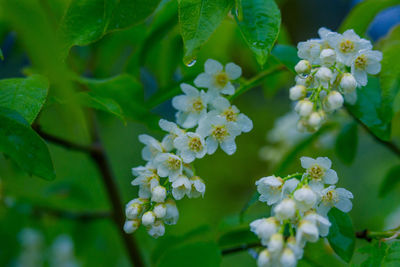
300 204
205 120
331 69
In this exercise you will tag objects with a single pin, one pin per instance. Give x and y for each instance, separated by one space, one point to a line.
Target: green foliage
259 22
24 146
1 55
87 21
24 95
198 20
381 254
287 55
196 254
391 179
237 237
368 109
341 235
361 16
347 143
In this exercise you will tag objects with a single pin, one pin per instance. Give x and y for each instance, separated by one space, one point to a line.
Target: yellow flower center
173 163
221 79
316 172
330 197
195 144
220 132
197 104
346 46
361 62
230 115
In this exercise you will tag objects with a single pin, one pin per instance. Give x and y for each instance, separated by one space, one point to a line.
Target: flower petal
233 71
307 162
331 177
229 146
212 66
203 80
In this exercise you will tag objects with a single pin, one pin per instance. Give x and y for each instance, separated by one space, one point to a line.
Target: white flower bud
348 83
264 259
148 218
158 194
297 92
285 210
264 228
172 213
307 231
288 259
303 67
304 107
157 229
328 57
131 226
132 211
315 120
275 244
160 210
324 74
305 198
334 100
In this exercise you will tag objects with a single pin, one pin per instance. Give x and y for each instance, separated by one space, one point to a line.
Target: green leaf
381 254
361 15
259 22
391 180
287 55
127 92
24 95
86 21
347 142
195 254
198 19
237 237
1 55
390 78
101 103
368 109
341 235
23 145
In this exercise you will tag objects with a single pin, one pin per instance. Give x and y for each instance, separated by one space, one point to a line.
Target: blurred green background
152 52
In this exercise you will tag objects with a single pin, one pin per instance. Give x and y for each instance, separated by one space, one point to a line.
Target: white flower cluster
329 72
299 209
205 120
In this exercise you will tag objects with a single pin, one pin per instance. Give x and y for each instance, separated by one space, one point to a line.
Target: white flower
160 210
231 114
181 187
216 79
190 145
168 165
348 83
365 61
174 132
218 131
270 189
297 92
286 209
264 228
328 57
191 106
152 148
315 120
172 214
334 100
307 231
289 186
264 259
148 218
158 194
321 222
319 170
131 226
303 67
147 179
157 229
310 50
347 45
335 197
304 107
134 208
305 198
324 74
295 247
275 244
288 258
198 187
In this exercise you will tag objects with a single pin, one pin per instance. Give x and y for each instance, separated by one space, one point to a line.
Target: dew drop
191 63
